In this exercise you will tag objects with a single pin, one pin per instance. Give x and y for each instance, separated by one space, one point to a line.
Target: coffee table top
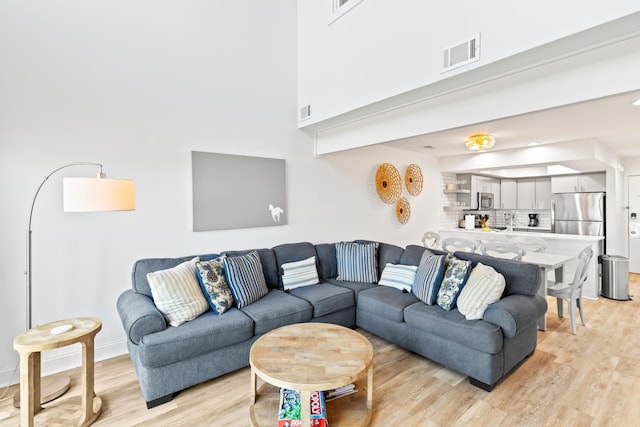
311 356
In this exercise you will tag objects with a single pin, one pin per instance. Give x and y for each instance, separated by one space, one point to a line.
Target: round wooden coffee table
309 357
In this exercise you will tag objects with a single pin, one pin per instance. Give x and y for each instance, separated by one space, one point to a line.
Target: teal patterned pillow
214 284
454 280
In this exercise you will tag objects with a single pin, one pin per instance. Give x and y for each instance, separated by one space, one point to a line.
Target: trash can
615 277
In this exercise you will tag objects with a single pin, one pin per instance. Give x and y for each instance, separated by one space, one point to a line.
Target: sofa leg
480 384
159 401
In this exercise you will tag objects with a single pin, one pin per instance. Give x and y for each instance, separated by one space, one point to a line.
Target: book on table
330 395
289 409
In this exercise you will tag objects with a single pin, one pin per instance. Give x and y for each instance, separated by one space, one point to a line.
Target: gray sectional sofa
169 359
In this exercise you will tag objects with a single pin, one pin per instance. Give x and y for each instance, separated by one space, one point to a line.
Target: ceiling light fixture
480 141
636 103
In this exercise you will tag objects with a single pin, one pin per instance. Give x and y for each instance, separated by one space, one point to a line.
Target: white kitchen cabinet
526 193
508 194
496 190
543 193
587 183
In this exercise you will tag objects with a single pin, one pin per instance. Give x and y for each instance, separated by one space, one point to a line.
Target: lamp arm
33 203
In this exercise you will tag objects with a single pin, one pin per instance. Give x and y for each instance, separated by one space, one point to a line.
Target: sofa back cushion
413 254
520 277
292 252
327 262
269 265
142 267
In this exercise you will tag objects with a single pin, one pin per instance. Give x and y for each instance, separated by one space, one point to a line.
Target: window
340 7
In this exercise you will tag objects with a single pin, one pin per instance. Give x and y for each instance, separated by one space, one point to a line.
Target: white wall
138 86
381 49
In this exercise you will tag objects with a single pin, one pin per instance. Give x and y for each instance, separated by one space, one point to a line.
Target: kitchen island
566 244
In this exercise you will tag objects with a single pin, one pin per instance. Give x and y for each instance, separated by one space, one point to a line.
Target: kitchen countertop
554 236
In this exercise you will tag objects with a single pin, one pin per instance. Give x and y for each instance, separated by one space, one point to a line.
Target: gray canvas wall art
231 191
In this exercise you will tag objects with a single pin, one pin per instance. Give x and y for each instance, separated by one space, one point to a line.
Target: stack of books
330 395
289 412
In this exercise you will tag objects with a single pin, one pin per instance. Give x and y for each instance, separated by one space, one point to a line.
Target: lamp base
50 389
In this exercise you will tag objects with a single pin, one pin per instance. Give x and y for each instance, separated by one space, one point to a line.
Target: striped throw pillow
245 278
429 277
177 294
484 287
398 276
299 273
357 262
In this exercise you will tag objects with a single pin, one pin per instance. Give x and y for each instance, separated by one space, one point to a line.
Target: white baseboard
58 360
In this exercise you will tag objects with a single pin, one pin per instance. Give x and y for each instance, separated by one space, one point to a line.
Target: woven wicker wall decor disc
388 183
403 210
413 179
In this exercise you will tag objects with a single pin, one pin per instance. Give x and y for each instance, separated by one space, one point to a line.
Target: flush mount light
533 144
480 141
636 103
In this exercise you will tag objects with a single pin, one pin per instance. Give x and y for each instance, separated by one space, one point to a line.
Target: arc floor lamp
79 195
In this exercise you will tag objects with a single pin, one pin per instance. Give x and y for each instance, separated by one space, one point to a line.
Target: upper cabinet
584 183
534 193
508 194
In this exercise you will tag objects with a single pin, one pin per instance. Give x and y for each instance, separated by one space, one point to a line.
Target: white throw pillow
484 287
398 276
177 294
299 273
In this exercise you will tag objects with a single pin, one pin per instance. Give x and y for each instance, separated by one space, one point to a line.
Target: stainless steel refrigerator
578 213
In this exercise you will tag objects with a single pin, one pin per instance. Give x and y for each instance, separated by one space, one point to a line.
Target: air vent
461 53
305 112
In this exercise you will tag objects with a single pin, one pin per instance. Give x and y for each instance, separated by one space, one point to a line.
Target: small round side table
31 343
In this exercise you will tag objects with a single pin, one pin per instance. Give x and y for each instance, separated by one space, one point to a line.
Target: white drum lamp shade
98 194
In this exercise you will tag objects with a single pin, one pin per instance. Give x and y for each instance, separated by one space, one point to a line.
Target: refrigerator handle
553 216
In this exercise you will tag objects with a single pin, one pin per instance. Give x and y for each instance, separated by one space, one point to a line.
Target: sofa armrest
513 313
139 315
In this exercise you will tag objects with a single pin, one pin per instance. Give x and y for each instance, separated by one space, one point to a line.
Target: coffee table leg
370 388
254 385
305 410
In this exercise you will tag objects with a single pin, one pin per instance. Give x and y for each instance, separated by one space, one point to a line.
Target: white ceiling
612 121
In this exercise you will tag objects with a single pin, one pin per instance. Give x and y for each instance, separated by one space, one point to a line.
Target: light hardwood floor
591 379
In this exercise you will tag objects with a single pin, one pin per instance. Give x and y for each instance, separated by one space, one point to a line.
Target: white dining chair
452 244
431 239
503 250
530 243
572 292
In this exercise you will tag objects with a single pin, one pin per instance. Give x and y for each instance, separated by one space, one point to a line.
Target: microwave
485 200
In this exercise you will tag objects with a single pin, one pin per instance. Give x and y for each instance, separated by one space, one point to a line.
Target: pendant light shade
480 141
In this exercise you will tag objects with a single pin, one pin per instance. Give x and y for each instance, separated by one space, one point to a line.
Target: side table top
40 338
311 356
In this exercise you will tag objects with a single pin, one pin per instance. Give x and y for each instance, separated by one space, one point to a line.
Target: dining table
548 263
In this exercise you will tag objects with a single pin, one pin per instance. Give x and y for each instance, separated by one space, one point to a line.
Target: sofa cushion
455 277
214 284
520 277
328 265
398 276
177 294
429 277
269 265
293 252
202 335
325 298
386 302
484 287
413 254
388 254
451 325
245 277
356 287
357 262
276 309
144 266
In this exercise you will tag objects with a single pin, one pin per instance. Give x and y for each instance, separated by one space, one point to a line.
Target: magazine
289 412
330 395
